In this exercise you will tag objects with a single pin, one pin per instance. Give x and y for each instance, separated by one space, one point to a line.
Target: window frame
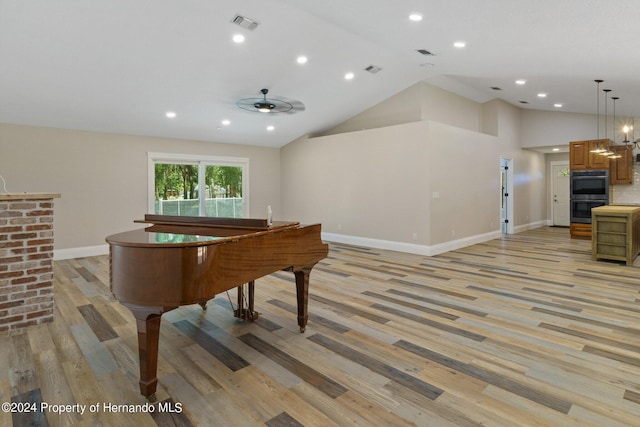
202 161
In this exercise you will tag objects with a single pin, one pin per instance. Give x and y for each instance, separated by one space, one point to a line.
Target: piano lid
168 235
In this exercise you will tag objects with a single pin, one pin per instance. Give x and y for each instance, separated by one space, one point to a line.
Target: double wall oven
589 189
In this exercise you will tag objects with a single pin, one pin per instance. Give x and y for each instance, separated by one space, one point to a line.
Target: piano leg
148 324
242 312
302 293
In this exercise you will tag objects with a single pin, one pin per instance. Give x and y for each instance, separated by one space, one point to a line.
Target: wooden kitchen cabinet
580 231
621 170
581 157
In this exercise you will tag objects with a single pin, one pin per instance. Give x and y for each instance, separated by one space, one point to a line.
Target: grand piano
181 260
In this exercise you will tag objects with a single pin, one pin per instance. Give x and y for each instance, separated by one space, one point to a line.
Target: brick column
26 259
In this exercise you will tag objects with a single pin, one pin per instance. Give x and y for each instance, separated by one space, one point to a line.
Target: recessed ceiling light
558 105
270 128
301 60
521 81
460 44
349 76
556 149
238 38
226 122
170 114
415 17
542 95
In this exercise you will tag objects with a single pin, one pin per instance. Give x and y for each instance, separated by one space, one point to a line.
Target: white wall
103 177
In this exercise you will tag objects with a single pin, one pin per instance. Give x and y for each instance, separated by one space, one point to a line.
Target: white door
560 191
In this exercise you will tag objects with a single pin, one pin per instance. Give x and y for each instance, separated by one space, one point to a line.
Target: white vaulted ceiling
120 65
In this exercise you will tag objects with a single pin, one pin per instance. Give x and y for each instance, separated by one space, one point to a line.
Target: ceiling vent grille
424 52
373 69
244 22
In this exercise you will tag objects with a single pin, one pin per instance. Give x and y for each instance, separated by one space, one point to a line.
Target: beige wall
371 183
551 128
425 183
103 177
441 106
464 168
403 107
417 103
375 184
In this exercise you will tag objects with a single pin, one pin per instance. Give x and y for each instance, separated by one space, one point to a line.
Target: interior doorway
506 195
560 204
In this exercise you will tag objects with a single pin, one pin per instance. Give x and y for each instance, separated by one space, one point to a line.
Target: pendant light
606 94
605 151
615 155
598 149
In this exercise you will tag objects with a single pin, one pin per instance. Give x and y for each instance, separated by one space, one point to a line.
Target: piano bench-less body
188 260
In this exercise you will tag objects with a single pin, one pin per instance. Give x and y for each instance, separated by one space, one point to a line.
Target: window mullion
202 185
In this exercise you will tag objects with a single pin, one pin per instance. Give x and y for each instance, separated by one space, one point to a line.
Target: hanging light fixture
598 149
614 155
606 151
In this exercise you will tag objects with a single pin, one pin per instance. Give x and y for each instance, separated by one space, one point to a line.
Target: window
176 180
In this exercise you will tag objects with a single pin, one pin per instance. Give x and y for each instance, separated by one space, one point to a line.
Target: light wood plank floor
520 331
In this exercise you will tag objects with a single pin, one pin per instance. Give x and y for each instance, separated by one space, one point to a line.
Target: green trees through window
175 181
198 187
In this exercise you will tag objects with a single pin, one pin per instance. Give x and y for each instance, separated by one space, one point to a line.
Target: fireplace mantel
28 196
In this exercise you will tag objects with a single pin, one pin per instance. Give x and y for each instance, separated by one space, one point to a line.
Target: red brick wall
26 263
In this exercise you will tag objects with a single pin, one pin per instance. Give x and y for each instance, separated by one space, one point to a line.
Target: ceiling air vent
244 22
495 88
424 52
373 69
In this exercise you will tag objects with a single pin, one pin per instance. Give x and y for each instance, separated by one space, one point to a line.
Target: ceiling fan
270 105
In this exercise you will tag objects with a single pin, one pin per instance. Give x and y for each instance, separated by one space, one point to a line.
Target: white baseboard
452 245
410 247
531 226
86 251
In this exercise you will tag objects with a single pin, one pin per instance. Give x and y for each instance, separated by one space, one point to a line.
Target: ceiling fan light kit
270 105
